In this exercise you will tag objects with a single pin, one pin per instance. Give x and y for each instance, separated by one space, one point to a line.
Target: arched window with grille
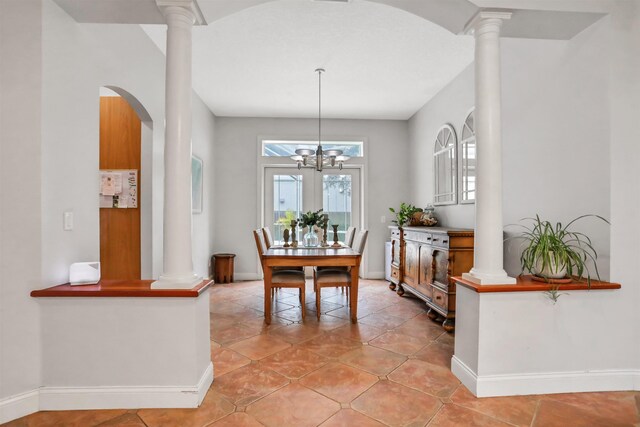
445 167
468 160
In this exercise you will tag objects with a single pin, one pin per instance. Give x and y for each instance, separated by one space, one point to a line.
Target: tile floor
392 369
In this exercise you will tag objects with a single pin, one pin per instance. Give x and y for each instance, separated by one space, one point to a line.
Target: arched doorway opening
126 131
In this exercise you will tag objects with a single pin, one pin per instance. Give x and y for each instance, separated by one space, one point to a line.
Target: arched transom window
468 161
445 172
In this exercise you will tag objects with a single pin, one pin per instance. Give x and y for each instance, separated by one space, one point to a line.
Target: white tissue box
84 273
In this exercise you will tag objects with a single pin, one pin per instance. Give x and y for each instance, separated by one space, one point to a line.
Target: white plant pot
551 271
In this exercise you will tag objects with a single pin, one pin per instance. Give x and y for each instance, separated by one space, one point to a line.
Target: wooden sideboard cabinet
424 259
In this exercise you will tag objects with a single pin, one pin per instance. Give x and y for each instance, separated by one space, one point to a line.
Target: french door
289 192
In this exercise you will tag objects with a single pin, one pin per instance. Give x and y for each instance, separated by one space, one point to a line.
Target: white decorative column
178 262
489 256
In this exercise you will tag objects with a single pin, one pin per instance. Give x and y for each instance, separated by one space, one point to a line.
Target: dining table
278 256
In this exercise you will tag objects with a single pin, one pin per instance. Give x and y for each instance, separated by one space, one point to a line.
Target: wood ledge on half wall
121 288
525 283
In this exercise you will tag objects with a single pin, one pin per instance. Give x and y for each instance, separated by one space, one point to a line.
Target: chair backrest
348 236
268 240
360 240
257 235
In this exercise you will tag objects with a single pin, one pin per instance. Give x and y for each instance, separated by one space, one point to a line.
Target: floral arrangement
310 219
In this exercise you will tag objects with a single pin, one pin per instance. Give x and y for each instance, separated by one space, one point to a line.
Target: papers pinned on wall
119 188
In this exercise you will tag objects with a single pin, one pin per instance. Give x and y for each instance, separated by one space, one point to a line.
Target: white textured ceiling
381 62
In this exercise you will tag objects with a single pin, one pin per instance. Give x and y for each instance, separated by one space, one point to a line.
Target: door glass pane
287 203
336 201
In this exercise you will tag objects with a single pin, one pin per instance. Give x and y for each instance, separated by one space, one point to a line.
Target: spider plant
556 250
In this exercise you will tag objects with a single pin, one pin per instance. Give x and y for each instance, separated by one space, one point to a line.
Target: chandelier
308 158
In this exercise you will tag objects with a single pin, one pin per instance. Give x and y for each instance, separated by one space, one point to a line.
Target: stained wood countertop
527 284
121 288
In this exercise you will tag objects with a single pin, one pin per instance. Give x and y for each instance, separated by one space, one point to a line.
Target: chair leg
318 303
302 302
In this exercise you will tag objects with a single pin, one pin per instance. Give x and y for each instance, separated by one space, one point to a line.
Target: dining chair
340 278
348 241
280 278
348 236
268 240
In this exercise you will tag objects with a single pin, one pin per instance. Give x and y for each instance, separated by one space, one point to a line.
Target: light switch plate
67 221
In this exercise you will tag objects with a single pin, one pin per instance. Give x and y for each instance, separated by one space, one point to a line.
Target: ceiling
384 58
381 62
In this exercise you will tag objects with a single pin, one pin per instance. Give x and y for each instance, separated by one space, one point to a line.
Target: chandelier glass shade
319 158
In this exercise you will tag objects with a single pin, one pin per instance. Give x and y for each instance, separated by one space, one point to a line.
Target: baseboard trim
545 383
19 405
375 275
74 398
246 276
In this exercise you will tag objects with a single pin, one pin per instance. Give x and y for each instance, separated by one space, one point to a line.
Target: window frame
463 174
446 135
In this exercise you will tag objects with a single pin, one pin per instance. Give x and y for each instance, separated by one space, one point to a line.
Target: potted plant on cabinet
404 214
557 254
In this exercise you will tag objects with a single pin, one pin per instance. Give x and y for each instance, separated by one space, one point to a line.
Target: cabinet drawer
440 240
439 298
417 236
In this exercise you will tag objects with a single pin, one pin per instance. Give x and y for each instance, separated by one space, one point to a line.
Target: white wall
20 157
236 176
51 72
555 130
96 55
570 112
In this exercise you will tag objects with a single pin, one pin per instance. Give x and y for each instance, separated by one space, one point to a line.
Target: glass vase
310 239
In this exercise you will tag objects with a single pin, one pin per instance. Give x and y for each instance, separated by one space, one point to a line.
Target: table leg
267 295
353 294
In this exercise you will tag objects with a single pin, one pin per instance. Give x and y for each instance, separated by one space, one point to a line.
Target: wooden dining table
312 257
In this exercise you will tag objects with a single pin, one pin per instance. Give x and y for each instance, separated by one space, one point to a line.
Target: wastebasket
222 265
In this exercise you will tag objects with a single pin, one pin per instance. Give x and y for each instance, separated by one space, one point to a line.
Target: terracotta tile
294 362
358 332
326 322
248 384
423 376
329 345
229 307
235 333
436 354
296 333
517 410
260 346
294 314
374 360
259 322
419 328
225 360
350 418
374 303
455 416
396 405
251 301
213 407
130 419
336 299
345 312
619 406
404 311
237 419
214 345
446 339
552 413
339 382
399 343
325 306
382 320
293 406
66 418
218 323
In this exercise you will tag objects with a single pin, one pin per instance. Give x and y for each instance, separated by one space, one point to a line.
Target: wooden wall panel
120 133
